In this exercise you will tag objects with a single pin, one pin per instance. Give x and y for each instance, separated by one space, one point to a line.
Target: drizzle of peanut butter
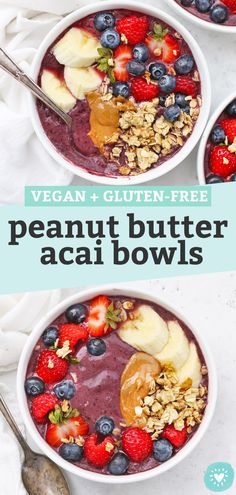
104 119
140 370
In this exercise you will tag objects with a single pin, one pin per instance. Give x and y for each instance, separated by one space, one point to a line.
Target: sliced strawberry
71 427
122 55
163 45
96 320
72 333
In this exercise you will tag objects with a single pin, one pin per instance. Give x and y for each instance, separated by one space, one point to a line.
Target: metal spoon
7 64
39 474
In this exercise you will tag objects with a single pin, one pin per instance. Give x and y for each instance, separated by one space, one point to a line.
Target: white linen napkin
23 160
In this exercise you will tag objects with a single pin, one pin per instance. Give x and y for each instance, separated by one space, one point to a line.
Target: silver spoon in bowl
39 474
7 64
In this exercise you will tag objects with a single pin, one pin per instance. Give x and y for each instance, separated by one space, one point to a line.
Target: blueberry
186 3
157 70
121 89
96 347
34 386
135 68
104 426
167 83
180 99
162 450
233 178
203 5
172 113
119 464
50 335
110 39
162 100
104 20
231 109
214 179
217 135
140 52
219 14
76 313
184 64
64 390
71 452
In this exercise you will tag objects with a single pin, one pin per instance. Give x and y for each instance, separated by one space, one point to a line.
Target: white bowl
205 136
205 88
220 28
47 450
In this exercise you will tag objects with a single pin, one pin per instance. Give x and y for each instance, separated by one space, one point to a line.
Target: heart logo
219 477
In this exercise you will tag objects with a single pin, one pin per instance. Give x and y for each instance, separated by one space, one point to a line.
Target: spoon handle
10 420
7 64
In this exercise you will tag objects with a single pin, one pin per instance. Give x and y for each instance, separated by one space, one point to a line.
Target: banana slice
56 89
191 369
176 351
81 81
77 48
147 331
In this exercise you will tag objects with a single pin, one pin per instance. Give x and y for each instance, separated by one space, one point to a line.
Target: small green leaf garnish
73 360
105 55
112 317
158 32
58 416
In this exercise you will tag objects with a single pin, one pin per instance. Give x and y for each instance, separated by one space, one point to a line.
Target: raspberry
186 85
176 437
72 333
231 4
42 405
98 454
222 161
137 444
142 90
50 367
229 126
134 28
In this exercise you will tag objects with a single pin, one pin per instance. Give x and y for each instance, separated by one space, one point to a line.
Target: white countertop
209 302
219 50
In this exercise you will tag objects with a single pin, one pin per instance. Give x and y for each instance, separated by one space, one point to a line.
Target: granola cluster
145 135
169 403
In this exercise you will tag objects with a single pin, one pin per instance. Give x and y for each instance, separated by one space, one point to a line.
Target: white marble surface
208 301
219 51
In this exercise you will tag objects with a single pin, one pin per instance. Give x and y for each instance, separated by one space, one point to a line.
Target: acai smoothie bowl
136 86
217 150
216 15
115 386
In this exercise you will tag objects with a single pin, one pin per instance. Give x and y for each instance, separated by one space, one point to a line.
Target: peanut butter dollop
104 119
140 370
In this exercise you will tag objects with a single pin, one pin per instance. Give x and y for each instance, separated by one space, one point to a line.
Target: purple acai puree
231 21
98 381
75 145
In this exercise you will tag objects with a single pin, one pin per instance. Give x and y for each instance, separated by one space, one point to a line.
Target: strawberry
229 126
137 444
231 4
176 437
134 28
143 90
163 45
42 405
186 85
122 55
50 367
98 453
102 316
65 427
222 161
73 333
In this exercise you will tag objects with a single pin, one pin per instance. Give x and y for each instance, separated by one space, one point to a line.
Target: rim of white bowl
41 443
220 28
201 150
199 126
